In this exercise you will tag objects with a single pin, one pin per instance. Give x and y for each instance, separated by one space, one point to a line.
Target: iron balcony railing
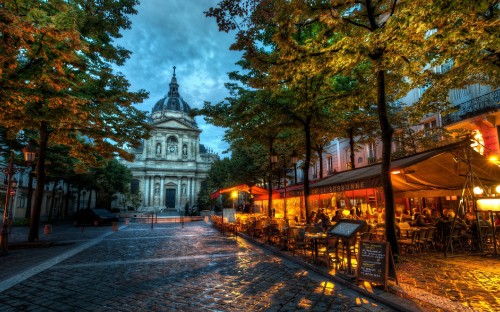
475 107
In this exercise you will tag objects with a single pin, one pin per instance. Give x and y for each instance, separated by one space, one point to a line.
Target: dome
171 104
172 101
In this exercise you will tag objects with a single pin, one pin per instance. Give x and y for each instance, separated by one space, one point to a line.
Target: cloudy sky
167 33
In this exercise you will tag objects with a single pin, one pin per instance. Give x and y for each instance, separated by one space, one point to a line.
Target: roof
255 190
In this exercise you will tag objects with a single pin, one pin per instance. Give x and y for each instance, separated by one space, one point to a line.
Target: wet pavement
165 268
462 281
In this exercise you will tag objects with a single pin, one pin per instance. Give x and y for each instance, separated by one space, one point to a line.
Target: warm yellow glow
234 194
396 171
493 159
488 204
478 141
478 190
497 189
346 213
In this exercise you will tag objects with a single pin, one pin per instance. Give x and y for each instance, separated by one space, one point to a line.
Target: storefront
436 179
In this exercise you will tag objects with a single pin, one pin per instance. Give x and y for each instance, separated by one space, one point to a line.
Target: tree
56 78
111 178
396 42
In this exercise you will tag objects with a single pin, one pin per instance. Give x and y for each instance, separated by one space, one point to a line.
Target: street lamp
10 171
234 195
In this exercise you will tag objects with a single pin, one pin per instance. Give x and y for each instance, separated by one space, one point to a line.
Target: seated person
313 218
338 216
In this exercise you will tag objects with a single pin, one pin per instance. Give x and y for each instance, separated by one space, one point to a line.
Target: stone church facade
170 167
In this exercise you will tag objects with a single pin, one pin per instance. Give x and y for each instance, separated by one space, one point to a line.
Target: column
143 186
148 193
192 190
162 192
179 194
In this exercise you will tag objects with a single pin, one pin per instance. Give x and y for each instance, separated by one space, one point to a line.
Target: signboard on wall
229 214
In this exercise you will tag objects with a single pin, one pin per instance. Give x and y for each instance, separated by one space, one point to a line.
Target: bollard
47 229
114 226
127 221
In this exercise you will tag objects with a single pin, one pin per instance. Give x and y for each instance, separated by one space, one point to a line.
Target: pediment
174 123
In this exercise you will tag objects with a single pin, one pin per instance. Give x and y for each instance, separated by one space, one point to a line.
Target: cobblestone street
167 268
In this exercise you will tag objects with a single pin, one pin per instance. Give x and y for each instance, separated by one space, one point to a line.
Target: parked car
94 217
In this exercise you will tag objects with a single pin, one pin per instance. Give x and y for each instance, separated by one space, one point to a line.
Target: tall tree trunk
351 145
270 182
78 200
66 201
387 131
40 178
90 199
307 133
320 160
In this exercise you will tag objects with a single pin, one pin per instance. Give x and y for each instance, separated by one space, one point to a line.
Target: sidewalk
464 282
433 282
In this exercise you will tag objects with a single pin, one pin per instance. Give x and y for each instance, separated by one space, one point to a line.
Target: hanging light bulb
478 190
497 189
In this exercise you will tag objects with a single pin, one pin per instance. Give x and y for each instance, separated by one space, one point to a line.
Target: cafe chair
421 240
409 245
330 252
299 241
431 239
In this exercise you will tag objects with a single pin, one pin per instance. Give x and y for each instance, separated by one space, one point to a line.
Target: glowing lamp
346 213
478 190
234 194
488 204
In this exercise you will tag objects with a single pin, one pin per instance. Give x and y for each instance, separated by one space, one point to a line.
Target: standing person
186 209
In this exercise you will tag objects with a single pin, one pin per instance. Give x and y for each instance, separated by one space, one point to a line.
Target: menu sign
373 261
347 228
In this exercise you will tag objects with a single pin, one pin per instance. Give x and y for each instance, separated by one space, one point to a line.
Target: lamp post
10 171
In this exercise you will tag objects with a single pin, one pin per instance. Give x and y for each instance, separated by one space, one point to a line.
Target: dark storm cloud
167 33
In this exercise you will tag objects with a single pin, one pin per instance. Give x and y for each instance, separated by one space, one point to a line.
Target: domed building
170 167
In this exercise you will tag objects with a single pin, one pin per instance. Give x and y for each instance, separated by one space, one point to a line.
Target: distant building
170 167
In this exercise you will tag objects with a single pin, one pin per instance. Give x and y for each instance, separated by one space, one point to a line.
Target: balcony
484 104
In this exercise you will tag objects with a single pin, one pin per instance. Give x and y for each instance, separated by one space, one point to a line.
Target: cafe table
316 239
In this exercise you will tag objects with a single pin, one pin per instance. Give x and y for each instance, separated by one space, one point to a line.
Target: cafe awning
255 190
439 172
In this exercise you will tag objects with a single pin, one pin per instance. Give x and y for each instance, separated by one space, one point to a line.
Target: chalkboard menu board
373 262
347 228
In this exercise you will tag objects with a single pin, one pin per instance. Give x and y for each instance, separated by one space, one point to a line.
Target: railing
477 106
